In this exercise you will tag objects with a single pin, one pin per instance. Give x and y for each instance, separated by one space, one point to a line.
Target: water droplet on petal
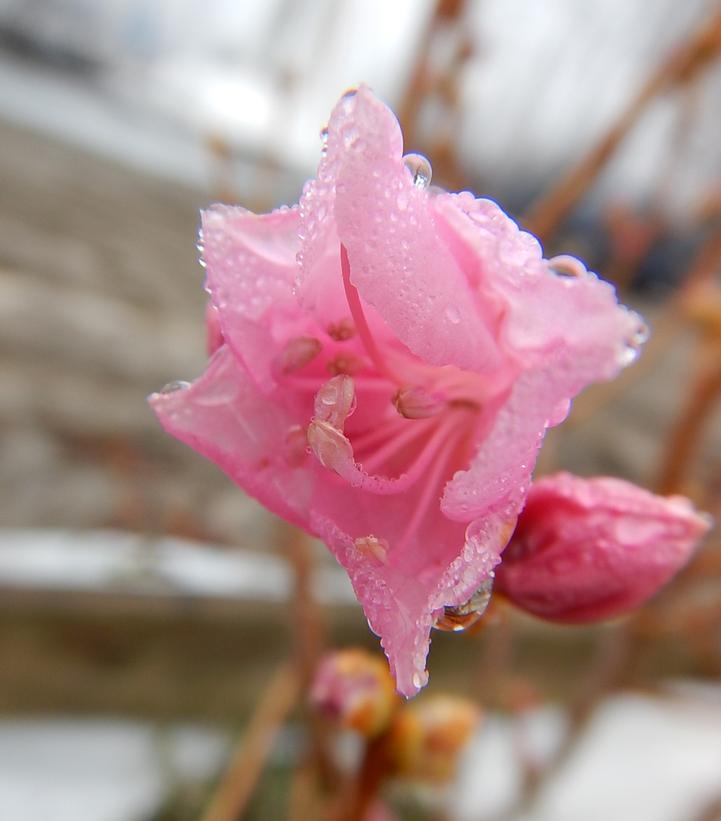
419 168
175 385
453 315
460 618
351 138
565 265
420 679
633 344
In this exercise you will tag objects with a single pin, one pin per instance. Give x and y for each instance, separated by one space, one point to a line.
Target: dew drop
420 679
565 265
460 618
453 315
419 168
175 385
633 344
351 137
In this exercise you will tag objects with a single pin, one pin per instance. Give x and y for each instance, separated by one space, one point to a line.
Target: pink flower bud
355 690
388 287
588 549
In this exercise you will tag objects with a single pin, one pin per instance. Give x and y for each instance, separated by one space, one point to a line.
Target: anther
417 403
297 353
344 364
335 401
342 330
374 547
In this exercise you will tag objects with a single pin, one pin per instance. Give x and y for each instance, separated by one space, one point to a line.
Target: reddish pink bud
588 549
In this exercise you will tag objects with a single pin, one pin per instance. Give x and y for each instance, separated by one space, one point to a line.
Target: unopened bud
429 735
355 690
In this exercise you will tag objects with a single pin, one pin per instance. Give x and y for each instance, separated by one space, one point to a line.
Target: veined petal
223 416
539 308
250 270
400 265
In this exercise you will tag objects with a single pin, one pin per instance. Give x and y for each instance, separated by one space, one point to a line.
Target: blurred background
143 598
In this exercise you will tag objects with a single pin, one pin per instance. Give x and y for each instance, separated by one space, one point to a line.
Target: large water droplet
565 265
634 343
460 618
420 679
419 168
175 385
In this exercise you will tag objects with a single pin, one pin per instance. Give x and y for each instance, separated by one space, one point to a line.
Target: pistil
361 323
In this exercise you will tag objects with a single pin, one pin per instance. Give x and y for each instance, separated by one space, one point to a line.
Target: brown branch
686 434
361 792
236 787
681 66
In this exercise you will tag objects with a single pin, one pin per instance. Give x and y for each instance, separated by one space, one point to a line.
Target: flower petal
399 263
540 309
588 549
223 416
250 265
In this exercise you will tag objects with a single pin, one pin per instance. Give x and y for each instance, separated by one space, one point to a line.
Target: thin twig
683 441
681 66
236 787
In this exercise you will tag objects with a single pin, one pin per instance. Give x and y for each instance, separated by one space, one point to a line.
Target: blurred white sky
547 78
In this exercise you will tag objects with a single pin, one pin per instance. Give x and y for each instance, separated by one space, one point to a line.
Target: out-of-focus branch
682 65
241 777
684 438
604 674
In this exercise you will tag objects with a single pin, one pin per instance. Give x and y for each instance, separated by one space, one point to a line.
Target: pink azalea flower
388 360
588 549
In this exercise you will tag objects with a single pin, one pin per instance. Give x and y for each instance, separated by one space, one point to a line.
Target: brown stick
308 630
361 791
682 65
607 669
236 787
683 441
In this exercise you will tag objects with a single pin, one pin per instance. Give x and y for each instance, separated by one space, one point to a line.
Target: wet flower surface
386 360
587 549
